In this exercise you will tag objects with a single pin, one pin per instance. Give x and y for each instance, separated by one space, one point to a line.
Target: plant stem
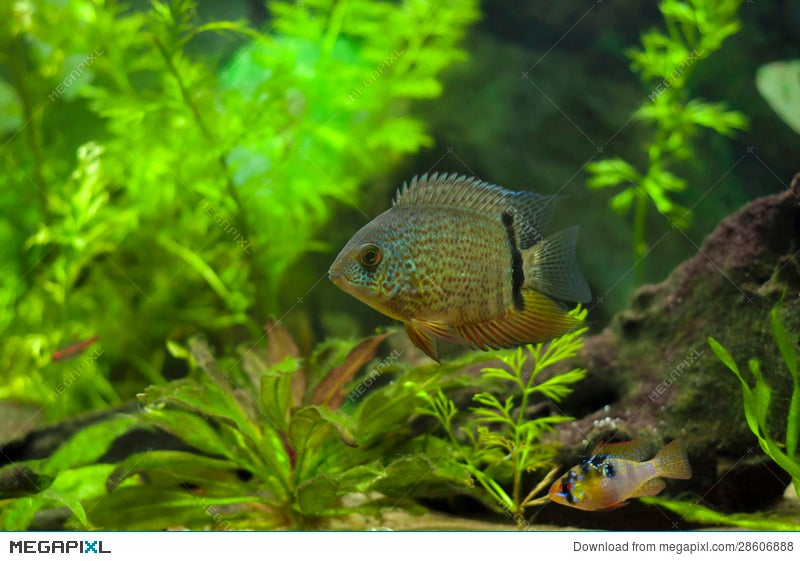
639 244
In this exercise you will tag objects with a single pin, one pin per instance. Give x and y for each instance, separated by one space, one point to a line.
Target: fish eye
370 255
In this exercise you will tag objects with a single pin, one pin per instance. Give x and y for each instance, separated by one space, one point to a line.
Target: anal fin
649 488
541 319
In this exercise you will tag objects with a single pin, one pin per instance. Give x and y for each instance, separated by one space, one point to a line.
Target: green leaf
751 411
89 444
69 501
714 116
622 201
762 395
17 515
418 89
167 467
205 399
779 83
321 491
560 386
23 478
276 399
308 428
724 356
399 134
786 347
82 483
418 474
610 172
692 512
151 507
190 427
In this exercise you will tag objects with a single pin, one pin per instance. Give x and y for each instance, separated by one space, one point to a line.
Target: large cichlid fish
459 259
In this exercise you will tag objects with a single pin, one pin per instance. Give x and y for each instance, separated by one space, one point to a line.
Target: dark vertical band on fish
517 273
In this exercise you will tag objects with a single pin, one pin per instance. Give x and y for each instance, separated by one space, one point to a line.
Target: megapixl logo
57 546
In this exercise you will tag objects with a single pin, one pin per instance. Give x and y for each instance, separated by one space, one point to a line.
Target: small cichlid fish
616 472
458 259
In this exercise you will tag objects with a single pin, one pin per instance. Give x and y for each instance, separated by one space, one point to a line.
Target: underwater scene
399 265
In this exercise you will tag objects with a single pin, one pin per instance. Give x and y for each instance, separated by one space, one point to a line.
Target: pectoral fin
422 339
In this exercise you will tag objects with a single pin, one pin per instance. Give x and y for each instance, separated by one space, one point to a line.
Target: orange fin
672 462
541 319
422 339
634 450
438 329
614 506
649 488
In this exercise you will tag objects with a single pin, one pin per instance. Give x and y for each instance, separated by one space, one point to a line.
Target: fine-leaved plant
695 30
503 439
161 173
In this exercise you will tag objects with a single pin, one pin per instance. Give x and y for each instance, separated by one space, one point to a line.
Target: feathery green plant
161 174
502 443
695 30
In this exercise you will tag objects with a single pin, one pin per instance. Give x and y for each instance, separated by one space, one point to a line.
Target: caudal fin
551 268
672 462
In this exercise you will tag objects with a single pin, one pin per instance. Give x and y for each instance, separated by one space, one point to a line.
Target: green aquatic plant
695 30
153 161
71 477
693 512
502 443
278 455
269 441
758 400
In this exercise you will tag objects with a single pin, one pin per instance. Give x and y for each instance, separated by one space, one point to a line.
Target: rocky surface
652 375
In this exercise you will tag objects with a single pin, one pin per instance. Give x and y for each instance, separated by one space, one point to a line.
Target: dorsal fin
532 211
451 190
634 450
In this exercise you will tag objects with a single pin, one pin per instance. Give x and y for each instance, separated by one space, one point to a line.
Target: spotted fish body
616 472
459 259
